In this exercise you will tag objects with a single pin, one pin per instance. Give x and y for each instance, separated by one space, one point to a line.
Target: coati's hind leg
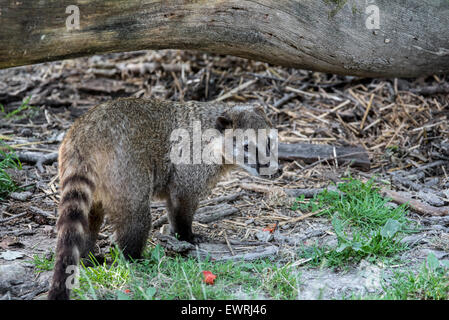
95 219
180 215
132 223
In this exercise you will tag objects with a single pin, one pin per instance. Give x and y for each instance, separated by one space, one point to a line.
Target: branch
293 33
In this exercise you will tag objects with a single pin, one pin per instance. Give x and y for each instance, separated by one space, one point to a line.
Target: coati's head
250 141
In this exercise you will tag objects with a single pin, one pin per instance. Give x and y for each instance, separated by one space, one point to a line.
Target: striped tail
72 225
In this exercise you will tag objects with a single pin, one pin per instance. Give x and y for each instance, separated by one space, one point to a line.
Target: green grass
23 111
162 277
159 276
8 160
42 263
365 226
430 282
338 5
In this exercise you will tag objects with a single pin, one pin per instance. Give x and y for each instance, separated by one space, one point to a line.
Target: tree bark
320 153
334 36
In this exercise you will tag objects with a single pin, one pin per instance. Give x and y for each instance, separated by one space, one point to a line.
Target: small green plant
8 160
339 4
42 263
430 283
23 111
281 283
365 225
104 279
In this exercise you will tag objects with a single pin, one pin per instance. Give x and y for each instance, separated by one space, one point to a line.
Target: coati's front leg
180 215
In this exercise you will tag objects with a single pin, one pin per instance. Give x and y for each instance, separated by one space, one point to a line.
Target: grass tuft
431 282
159 276
8 160
23 111
43 263
366 226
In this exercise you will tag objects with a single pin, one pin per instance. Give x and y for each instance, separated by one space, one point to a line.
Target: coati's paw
198 238
191 238
183 236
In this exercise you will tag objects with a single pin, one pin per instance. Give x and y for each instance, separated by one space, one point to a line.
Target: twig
286 98
42 212
13 217
38 159
316 153
257 187
213 213
204 215
308 193
368 108
226 198
227 243
332 158
307 215
415 205
431 90
258 253
19 232
235 90
428 166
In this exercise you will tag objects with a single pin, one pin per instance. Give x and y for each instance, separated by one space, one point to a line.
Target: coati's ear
223 122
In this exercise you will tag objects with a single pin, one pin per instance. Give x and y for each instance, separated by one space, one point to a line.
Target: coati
118 156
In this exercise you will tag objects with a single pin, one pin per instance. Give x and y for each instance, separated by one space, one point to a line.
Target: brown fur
115 159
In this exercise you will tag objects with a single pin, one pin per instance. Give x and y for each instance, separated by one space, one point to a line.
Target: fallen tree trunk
319 153
387 38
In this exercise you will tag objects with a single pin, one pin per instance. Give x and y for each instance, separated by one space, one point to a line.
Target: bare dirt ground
402 124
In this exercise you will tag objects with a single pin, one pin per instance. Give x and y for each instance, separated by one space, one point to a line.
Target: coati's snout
250 142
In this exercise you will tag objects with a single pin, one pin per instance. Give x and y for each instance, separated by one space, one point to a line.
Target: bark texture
322 35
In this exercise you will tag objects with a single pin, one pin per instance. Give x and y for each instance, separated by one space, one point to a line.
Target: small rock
49 231
372 275
44 278
331 242
431 198
414 239
438 227
432 182
11 255
165 230
264 236
26 132
10 275
21 196
6 296
57 137
249 221
439 254
391 205
445 193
